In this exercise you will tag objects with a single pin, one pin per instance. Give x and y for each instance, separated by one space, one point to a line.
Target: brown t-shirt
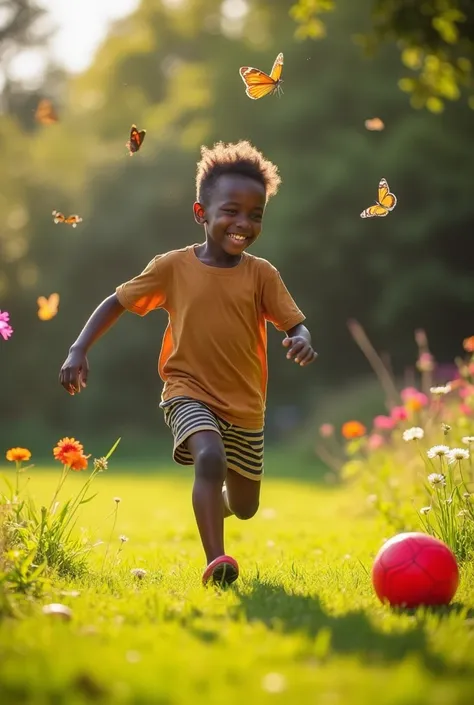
215 345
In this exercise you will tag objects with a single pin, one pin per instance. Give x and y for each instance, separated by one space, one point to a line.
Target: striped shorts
243 446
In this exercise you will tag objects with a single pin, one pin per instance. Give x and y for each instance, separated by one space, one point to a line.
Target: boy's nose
244 226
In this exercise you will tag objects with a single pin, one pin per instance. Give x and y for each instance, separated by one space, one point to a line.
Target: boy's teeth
237 237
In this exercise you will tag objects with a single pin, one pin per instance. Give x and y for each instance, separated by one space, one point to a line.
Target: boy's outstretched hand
74 372
299 350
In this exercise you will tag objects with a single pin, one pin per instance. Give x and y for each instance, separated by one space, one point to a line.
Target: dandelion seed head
413 434
437 451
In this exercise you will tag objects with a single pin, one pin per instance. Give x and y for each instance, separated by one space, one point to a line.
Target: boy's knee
210 463
245 512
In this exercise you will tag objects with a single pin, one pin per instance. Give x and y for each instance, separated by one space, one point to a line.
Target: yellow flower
18 455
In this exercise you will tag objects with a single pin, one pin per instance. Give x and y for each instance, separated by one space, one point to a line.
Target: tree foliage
435 39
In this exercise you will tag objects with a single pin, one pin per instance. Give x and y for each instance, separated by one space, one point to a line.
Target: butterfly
259 84
47 308
374 124
70 220
386 202
45 113
136 140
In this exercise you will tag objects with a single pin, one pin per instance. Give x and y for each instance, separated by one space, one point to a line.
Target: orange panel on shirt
215 345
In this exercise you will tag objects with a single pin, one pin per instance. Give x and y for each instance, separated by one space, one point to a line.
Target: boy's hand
74 372
300 350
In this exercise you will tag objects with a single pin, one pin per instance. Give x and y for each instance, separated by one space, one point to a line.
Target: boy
213 359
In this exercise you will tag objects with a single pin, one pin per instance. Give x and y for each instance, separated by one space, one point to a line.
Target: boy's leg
207 450
243 495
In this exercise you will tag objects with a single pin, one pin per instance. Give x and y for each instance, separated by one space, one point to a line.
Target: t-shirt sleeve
278 305
147 290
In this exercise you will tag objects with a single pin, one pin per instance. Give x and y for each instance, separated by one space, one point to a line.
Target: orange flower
76 461
65 446
353 429
18 455
468 344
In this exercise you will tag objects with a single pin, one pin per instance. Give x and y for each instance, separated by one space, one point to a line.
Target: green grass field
301 625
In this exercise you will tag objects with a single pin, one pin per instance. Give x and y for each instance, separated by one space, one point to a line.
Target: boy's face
235 212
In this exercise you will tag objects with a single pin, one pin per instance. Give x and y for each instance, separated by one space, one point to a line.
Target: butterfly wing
53 303
45 113
58 217
373 211
277 68
386 199
136 139
374 124
258 83
73 220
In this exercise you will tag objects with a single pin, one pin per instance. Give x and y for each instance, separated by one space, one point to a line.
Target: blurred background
171 67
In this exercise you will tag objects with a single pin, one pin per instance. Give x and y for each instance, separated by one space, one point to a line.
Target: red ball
414 569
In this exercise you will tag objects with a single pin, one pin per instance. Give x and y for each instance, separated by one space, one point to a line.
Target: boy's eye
230 211
257 217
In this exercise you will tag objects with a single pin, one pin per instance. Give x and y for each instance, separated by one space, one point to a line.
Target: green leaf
113 448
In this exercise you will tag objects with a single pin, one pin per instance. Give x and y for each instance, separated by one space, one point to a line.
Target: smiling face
233 216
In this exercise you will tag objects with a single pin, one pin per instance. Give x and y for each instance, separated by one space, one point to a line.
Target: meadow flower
465 409
383 423
76 461
413 434
100 464
326 430
457 454
138 573
18 455
466 391
5 328
437 451
375 441
66 445
464 513
117 500
436 479
468 344
467 496
353 429
399 413
440 391
123 539
416 402
408 393
445 428
425 362
467 439
425 510
274 683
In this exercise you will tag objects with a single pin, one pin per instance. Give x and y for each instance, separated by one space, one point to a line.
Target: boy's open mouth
237 237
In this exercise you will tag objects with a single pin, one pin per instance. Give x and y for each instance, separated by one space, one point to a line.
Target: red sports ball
414 569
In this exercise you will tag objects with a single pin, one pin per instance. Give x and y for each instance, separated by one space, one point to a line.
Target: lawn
301 625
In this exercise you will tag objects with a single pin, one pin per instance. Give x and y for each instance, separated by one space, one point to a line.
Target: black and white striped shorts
243 446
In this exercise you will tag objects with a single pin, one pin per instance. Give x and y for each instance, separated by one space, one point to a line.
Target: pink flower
416 402
375 441
467 391
426 362
465 409
399 413
383 423
408 393
5 328
326 430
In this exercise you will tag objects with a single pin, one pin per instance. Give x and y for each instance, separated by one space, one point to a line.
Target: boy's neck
213 255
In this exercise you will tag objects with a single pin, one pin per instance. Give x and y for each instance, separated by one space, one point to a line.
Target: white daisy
457 454
437 451
425 510
138 573
467 439
464 513
413 434
436 479
439 391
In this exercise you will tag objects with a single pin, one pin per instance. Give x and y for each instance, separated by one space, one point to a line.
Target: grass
302 623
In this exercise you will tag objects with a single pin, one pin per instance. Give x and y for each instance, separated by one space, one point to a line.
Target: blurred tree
435 39
18 20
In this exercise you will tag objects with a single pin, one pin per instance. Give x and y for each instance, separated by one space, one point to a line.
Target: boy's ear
199 213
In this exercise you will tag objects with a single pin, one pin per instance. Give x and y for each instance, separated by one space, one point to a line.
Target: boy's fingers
309 357
296 348
286 342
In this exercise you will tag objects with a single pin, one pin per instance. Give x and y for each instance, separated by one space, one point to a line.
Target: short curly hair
234 158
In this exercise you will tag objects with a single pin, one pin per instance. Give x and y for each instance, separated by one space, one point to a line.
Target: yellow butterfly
259 84
47 308
386 202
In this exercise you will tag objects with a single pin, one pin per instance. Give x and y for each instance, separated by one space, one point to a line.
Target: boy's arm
74 372
298 342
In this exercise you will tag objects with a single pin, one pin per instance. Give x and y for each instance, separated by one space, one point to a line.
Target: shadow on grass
351 633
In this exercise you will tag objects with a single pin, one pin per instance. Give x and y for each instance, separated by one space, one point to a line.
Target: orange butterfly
136 140
259 84
387 202
47 308
45 113
70 220
374 124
